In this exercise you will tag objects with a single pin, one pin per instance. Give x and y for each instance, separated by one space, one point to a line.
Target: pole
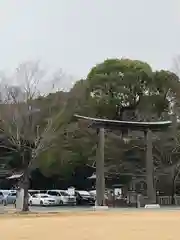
149 168
174 127
100 181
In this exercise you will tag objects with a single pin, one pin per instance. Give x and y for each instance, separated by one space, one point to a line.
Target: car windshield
43 191
84 193
43 196
64 193
53 193
93 192
33 192
12 194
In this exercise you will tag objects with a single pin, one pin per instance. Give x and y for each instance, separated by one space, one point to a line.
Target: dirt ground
154 225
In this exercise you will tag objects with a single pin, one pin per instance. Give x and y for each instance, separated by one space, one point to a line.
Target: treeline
120 89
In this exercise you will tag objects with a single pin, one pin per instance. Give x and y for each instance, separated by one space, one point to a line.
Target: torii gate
146 127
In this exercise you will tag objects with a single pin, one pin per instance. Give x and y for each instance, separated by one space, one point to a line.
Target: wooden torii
146 127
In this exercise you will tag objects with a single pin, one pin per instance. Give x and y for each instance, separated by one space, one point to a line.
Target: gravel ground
126 225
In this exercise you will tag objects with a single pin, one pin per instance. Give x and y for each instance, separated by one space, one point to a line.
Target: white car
62 197
93 194
42 200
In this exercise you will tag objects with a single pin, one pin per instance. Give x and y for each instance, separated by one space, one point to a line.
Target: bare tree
27 122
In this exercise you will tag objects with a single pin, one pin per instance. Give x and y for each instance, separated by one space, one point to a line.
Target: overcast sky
76 34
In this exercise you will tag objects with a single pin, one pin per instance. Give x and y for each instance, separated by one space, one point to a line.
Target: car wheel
41 203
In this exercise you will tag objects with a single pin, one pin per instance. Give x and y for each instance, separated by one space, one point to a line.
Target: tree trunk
25 186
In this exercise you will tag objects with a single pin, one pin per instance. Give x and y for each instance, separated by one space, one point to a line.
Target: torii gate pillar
150 168
100 179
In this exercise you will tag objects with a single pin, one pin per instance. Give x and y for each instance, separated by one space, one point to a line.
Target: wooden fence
132 201
167 200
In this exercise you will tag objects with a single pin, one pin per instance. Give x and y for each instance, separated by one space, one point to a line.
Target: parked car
10 198
5 192
84 198
42 200
93 194
71 199
62 197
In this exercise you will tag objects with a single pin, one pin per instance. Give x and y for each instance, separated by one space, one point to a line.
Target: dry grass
84 226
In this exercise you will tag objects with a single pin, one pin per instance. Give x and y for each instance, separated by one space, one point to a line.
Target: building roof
15 176
115 124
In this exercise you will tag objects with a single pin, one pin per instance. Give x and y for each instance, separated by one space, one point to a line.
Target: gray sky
76 34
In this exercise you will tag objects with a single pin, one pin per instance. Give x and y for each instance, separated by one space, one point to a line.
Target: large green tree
117 89
129 89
